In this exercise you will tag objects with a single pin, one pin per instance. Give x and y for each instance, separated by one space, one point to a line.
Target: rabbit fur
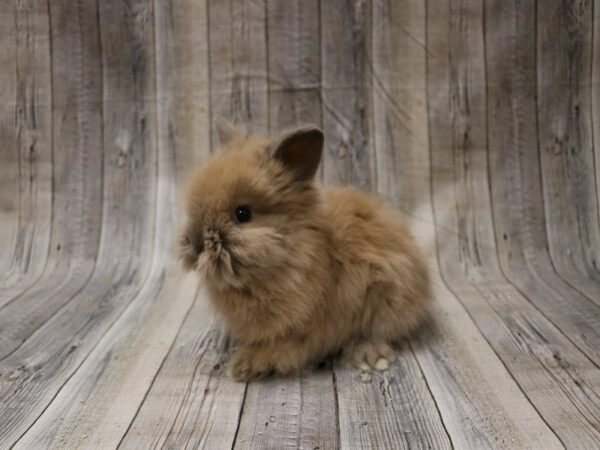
302 271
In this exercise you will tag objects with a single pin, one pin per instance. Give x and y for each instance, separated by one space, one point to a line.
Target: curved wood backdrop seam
476 118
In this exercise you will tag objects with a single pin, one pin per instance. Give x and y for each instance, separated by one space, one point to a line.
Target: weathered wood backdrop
479 118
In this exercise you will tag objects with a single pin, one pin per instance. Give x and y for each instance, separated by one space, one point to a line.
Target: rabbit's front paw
247 364
367 355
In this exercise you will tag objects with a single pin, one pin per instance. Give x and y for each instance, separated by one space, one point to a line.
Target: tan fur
315 271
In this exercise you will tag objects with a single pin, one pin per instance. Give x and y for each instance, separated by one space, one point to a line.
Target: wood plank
346 91
33 128
76 239
191 402
393 409
9 150
478 400
595 91
26 152
238 64
516 192
294 63
77 185
290 412
399 100
564 58
534 351
123 365
184 120
26 91
105 343
34 373
9 177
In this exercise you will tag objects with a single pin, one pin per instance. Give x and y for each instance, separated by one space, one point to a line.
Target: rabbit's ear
300 151
226 130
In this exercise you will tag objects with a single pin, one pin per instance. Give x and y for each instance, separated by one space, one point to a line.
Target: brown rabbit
296 270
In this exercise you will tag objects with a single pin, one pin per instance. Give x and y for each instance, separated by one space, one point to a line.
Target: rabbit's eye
243 214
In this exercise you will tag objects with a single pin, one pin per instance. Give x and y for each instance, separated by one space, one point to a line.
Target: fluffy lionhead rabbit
299 271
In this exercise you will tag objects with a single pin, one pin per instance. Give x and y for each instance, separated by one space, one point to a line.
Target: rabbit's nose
212 239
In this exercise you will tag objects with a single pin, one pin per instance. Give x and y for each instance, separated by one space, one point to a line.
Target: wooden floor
480 119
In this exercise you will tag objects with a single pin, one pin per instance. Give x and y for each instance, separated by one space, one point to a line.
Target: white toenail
382 364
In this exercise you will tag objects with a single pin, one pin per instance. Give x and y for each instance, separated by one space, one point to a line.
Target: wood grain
183 95
9 155
534 351
478 119
294 37
127 349
294 412
35 372
27 146
393 409
595 91
516 191
459 366
346 92
77 204
26 152
191 401
564 44
238 64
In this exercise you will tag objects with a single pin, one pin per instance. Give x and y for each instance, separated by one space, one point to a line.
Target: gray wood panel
516 191
74 234
460 368
294 58
595 91
239 64
34 373
478 119
535 351
9 150
565 140
27 149
191 402
26 146
346 93
77 206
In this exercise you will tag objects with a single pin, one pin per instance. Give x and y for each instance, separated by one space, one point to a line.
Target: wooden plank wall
479 119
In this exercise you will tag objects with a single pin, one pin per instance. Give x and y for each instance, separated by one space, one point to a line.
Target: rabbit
298 271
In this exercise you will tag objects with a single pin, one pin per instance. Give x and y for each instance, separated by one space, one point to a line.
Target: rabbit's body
313 271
